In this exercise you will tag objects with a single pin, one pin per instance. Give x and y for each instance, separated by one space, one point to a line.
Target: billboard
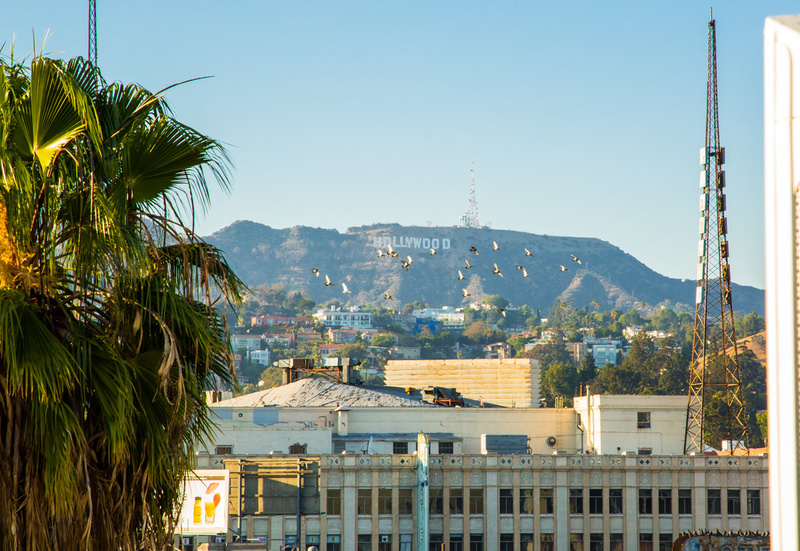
205 502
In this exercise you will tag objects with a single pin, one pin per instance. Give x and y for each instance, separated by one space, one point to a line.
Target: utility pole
715 360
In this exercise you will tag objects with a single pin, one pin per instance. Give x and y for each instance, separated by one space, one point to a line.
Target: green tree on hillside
108 328
751 324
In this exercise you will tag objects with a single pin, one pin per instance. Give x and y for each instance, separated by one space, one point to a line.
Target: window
506 501
615 542
645 451
753 502
435 542
445 448
734 502
615 501
643 419
576 542
338 446
665 542
456 502
595 542
526 501
334 504
685 501
384 501
645 542
365 542
435 501
475 501
399 447
223 450
665 501
714 501
405 501
576 501
334 542
364 501
312 540
546 542
476 542
546 501
385 542
506 542
596 501
526 542
405 542
456 542
645 501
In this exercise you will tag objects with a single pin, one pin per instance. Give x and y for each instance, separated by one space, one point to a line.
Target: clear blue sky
584 118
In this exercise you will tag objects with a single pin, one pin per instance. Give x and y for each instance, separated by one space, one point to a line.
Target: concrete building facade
494 502
510 382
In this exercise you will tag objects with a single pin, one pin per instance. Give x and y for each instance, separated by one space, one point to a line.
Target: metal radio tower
715 360
470 218
93 32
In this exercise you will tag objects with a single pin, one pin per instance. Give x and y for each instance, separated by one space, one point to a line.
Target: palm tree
111 308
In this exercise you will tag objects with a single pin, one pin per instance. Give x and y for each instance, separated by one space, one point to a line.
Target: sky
582 118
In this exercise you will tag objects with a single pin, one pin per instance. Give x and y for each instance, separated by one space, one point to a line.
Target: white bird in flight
381 253
527 252
563 269
575 259
502 311
468 264
433 251
466 294
495 246
496 270
387 296
315 272
345 289
473 249
328 281
460 275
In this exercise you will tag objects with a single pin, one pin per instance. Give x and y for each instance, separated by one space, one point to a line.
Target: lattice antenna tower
715 359
470 218
93 32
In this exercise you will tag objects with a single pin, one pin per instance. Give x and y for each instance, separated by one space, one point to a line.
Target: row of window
526 542
445 448
647 542
663 500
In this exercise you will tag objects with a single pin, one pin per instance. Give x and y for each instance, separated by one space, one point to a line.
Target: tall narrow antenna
715 360
470 218
93 32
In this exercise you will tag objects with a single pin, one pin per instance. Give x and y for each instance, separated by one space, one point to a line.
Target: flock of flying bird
391 253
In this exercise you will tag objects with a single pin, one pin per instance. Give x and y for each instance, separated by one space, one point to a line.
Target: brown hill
606 274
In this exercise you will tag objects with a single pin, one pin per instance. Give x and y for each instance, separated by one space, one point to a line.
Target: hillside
264 255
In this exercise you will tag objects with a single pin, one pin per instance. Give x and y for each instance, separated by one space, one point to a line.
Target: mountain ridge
607 275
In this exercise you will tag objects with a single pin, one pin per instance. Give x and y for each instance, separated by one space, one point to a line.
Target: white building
358 447
451 318
246 342
260 357
350 319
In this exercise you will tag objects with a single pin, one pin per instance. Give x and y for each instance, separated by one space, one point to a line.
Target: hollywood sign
405 242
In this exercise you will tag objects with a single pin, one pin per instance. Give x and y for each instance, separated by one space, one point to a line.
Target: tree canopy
109 332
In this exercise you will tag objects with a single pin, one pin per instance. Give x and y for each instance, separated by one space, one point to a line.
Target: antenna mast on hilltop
715 360
470 218
93 32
